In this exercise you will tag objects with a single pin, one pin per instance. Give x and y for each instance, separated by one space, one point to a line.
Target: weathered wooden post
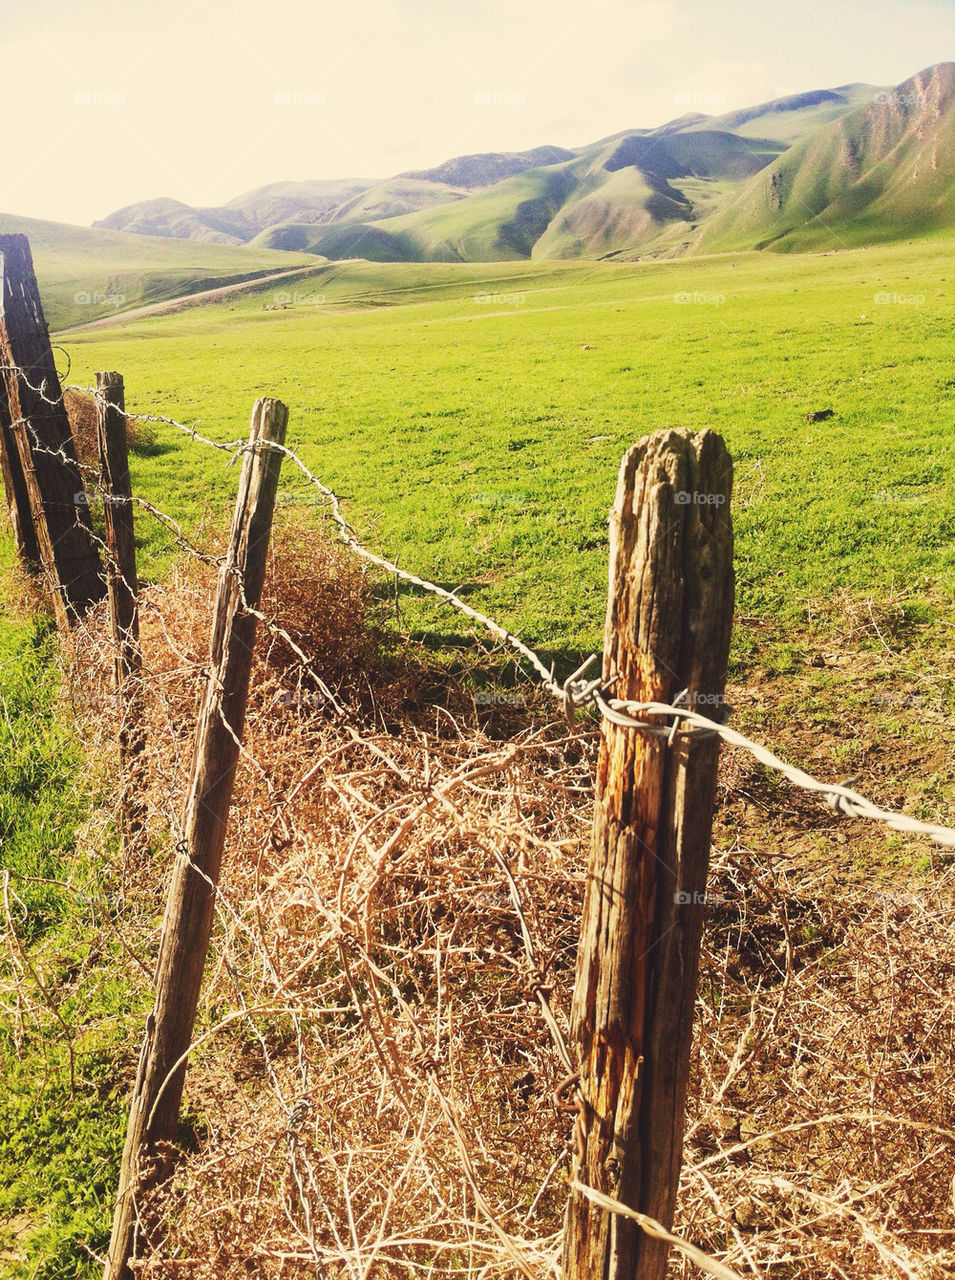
187 927
41 430
669 616
123 589
15 489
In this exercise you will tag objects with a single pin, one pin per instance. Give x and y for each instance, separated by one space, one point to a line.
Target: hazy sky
106 102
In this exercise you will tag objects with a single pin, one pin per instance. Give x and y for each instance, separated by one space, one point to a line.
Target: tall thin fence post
15 490
669 617
123 591
187 926
41 429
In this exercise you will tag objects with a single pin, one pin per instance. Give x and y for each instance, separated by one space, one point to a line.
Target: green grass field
473 418
66 1006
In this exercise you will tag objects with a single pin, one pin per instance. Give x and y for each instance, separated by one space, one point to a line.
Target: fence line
575 691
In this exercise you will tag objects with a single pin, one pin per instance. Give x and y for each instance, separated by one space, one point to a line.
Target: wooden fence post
669 616
41 428
187 926
123 589
15 489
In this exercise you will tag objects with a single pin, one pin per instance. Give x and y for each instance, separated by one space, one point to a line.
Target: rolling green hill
626 206
85 273
503 222
487 168
397 196
649 193
180 221
787 120
261 211
885 171
240 219
620 193
645 186
823 169
341 241
350 228
512 198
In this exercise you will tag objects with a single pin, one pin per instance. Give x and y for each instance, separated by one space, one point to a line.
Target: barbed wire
838 796
575 691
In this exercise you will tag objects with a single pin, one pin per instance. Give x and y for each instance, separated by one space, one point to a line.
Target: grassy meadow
473 418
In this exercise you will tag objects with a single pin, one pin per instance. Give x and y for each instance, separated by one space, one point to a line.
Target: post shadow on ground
485 659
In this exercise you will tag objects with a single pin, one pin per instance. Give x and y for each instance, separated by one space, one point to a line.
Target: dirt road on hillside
190 299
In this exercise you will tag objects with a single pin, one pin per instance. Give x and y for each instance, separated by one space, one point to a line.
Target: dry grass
372 1087
81 411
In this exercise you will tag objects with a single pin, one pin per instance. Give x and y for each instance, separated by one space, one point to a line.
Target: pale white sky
106 102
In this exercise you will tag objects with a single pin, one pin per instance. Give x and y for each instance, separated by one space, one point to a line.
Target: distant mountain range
822 170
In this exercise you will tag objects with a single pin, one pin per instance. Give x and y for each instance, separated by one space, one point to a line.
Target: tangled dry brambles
373 1089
